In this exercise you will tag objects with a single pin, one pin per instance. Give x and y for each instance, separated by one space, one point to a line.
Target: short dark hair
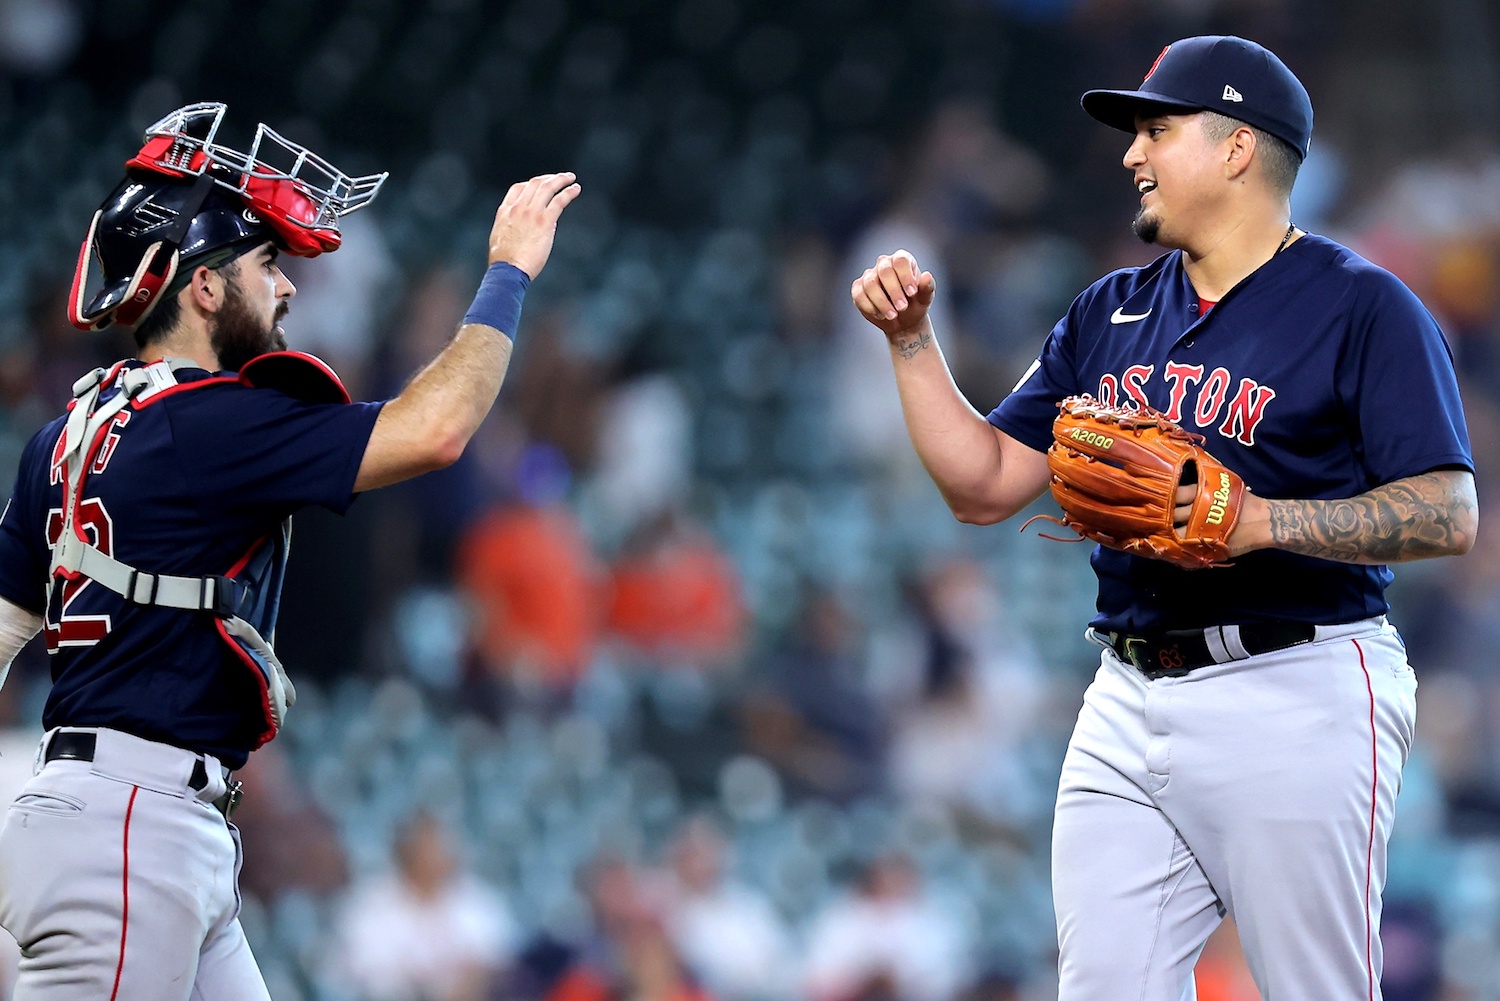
168 311
1279 159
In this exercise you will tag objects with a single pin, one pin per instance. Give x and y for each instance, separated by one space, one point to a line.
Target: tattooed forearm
909 344
1434 514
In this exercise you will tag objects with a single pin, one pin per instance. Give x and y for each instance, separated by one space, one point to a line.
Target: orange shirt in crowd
683 597
536 589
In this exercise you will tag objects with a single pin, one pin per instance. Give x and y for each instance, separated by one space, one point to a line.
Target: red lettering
101 461
1179 377
57 458
1135 379
1246 411
1211 397
79 630
1109 389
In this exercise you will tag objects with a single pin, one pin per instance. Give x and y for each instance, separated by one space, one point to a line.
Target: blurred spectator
421 519
727 932
557 391
292 843
676 595
980 691
886 942
427 932
644 454
865 406
809 270
961 176
534 580
1412 943
629 954
338 302
814 719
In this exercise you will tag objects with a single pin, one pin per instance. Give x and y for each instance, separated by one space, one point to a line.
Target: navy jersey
189 483
1319 376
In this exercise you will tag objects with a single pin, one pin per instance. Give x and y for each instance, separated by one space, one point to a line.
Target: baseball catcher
147 538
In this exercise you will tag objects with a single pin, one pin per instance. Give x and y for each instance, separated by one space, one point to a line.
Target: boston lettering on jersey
186 485
1315 342
1241 415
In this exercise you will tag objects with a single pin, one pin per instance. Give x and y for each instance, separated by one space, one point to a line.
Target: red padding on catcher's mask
292 214
156 156
276 200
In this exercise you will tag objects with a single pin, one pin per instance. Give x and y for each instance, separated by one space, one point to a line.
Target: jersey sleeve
259 448
1028 412
1400 385
24 553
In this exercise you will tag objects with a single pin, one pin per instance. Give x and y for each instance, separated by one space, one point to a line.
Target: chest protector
243 600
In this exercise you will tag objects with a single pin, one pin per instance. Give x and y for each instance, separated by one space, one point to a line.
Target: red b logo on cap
1155 64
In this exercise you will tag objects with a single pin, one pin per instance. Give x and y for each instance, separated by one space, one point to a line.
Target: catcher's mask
189 201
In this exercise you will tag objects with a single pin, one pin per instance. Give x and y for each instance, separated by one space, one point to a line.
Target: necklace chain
1290 229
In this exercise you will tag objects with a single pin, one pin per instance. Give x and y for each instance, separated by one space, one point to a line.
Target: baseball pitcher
1253 427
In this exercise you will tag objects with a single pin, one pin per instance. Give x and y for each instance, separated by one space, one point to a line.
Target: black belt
75 745
1173 653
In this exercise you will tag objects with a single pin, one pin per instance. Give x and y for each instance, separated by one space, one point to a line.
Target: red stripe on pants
1370 848
125 891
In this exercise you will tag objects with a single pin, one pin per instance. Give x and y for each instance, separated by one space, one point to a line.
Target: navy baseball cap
1222 73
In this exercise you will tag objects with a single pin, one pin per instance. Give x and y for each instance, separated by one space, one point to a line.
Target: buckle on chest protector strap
220 595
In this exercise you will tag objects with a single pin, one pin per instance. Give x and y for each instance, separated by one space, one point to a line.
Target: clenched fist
894 294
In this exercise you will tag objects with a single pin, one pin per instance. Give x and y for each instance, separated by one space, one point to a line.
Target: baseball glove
1115 473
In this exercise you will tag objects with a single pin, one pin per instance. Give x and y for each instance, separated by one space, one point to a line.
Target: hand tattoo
1432 514
909 346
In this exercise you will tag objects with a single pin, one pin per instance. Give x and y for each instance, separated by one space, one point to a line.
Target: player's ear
1239 151
206 289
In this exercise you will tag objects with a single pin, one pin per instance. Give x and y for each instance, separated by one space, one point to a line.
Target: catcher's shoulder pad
297 374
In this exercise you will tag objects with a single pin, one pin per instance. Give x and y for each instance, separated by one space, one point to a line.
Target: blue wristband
498 302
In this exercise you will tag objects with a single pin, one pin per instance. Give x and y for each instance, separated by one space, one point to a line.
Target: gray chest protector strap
74 556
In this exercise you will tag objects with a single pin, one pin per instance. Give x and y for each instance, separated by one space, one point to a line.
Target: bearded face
239 332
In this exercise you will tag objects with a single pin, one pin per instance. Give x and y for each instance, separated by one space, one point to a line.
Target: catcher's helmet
150 231
188 201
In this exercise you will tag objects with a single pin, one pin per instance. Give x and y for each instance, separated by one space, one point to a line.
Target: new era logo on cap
1189 75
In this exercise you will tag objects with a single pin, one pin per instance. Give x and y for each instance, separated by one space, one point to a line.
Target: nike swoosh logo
1120 316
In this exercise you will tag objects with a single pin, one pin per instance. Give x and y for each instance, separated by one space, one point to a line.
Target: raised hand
526 221
894 294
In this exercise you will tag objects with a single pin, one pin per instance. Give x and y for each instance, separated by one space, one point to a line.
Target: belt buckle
1170 662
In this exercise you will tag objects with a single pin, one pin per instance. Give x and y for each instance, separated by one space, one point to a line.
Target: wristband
498 302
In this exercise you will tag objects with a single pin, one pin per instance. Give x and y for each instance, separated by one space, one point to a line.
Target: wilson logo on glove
1220 505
